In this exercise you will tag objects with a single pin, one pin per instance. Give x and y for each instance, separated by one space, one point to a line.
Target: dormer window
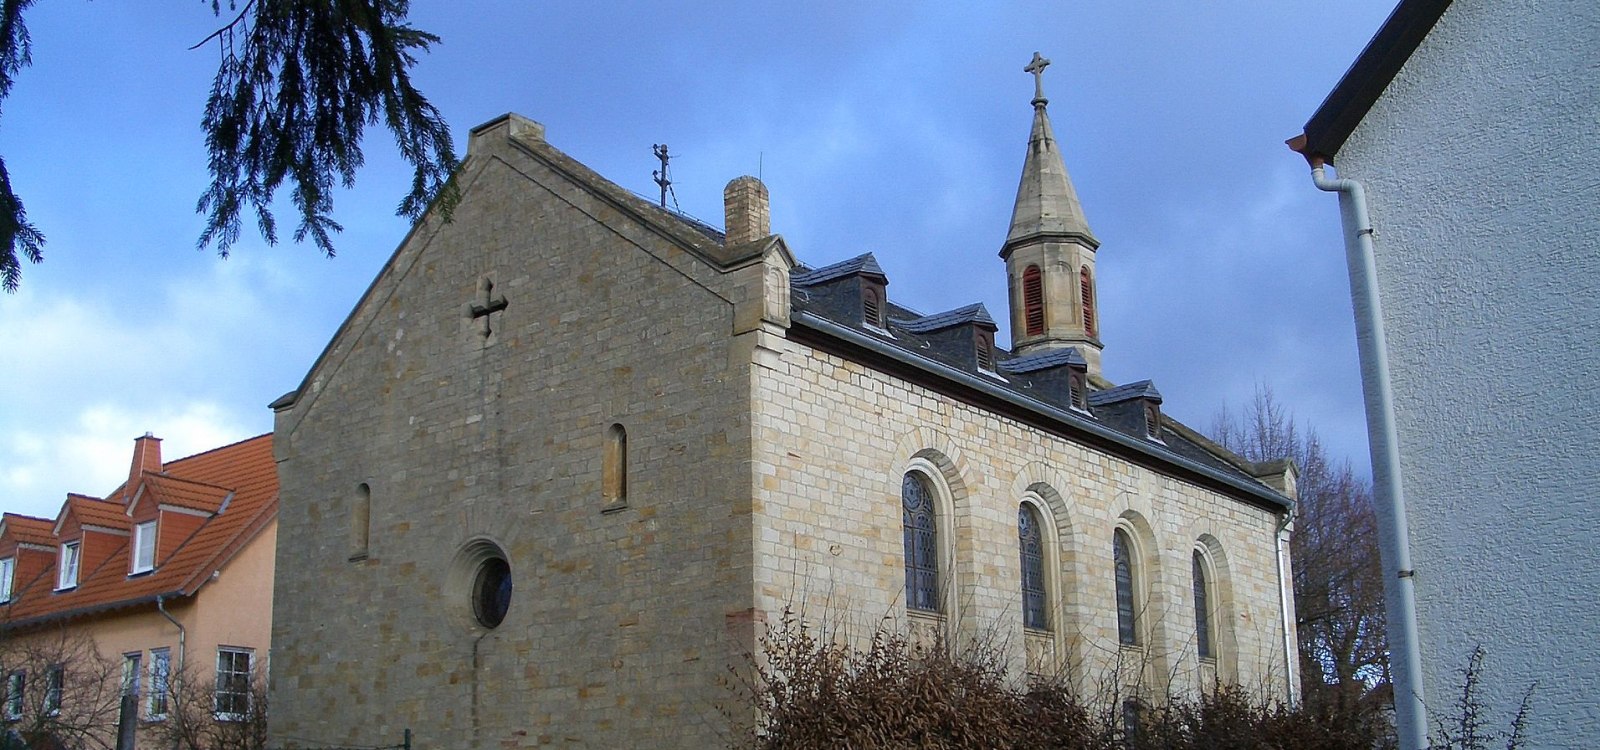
8 572
872 305
1078 390
1152 420
144 547
67 576
984 341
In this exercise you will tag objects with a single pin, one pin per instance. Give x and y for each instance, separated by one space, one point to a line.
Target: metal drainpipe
1291 654
1405 658
161 606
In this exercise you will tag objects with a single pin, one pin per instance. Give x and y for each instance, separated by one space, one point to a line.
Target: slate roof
863 264
1044 360
1143 389
939 321
247 475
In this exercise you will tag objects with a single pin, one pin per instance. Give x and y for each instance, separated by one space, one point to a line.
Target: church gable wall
467 442
833 440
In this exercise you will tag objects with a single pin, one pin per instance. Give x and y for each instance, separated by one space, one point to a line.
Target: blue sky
895 128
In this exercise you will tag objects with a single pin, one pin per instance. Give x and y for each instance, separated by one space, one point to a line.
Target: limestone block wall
438 438
833 439
1479 164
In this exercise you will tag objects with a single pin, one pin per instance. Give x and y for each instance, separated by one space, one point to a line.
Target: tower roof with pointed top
1047 205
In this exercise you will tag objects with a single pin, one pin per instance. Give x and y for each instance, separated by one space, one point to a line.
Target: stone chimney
146 457
749 219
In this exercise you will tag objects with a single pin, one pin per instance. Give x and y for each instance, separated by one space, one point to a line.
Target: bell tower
1049 252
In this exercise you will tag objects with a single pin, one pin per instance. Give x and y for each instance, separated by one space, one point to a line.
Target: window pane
1127 627
921 543
1202 609
1034 612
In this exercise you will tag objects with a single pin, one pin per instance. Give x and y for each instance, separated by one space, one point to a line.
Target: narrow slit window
360 522
614 472
1033 300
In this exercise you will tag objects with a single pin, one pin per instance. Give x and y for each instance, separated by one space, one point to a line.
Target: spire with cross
1036 67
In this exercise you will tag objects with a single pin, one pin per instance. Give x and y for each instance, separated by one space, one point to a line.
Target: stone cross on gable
487 304
1036 67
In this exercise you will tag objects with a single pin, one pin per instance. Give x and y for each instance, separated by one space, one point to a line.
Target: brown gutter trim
1367 78
92 609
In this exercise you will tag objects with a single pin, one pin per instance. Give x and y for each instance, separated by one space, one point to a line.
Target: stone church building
571 452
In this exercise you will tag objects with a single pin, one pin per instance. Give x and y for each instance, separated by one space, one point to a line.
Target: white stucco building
1474 127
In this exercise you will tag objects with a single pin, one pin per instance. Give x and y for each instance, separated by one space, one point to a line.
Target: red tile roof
28 530
245 470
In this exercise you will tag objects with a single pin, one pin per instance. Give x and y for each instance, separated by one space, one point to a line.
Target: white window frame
71 558
228 683
55 678
16 683
144 547
8 572
132 671
156 699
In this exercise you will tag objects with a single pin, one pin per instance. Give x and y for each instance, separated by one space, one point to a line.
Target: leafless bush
58 691
198 717
809 690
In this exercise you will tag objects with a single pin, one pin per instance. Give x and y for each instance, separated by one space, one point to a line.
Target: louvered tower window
1127 622
1029 538
1086 291
922 544
1033 300
1202 609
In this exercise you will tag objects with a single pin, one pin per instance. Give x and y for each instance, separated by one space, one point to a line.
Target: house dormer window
1152 421
1078 390
872 305
8 572
144 547
985 346
67 577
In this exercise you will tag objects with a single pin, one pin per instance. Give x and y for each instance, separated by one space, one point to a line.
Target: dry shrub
808 690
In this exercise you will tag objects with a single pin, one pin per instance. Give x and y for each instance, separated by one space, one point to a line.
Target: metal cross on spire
1036 67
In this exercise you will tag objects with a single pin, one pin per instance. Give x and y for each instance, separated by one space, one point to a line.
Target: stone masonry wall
621 623
833 439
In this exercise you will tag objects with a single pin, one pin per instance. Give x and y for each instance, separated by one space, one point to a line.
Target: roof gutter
1257 492
85 611
1405 659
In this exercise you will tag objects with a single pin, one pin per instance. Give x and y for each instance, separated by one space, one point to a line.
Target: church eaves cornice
836 338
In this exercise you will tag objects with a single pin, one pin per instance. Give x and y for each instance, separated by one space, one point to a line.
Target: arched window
360 521
614 469
921 542
1033 300
1127 605
1086 291
1202 608
1035 614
